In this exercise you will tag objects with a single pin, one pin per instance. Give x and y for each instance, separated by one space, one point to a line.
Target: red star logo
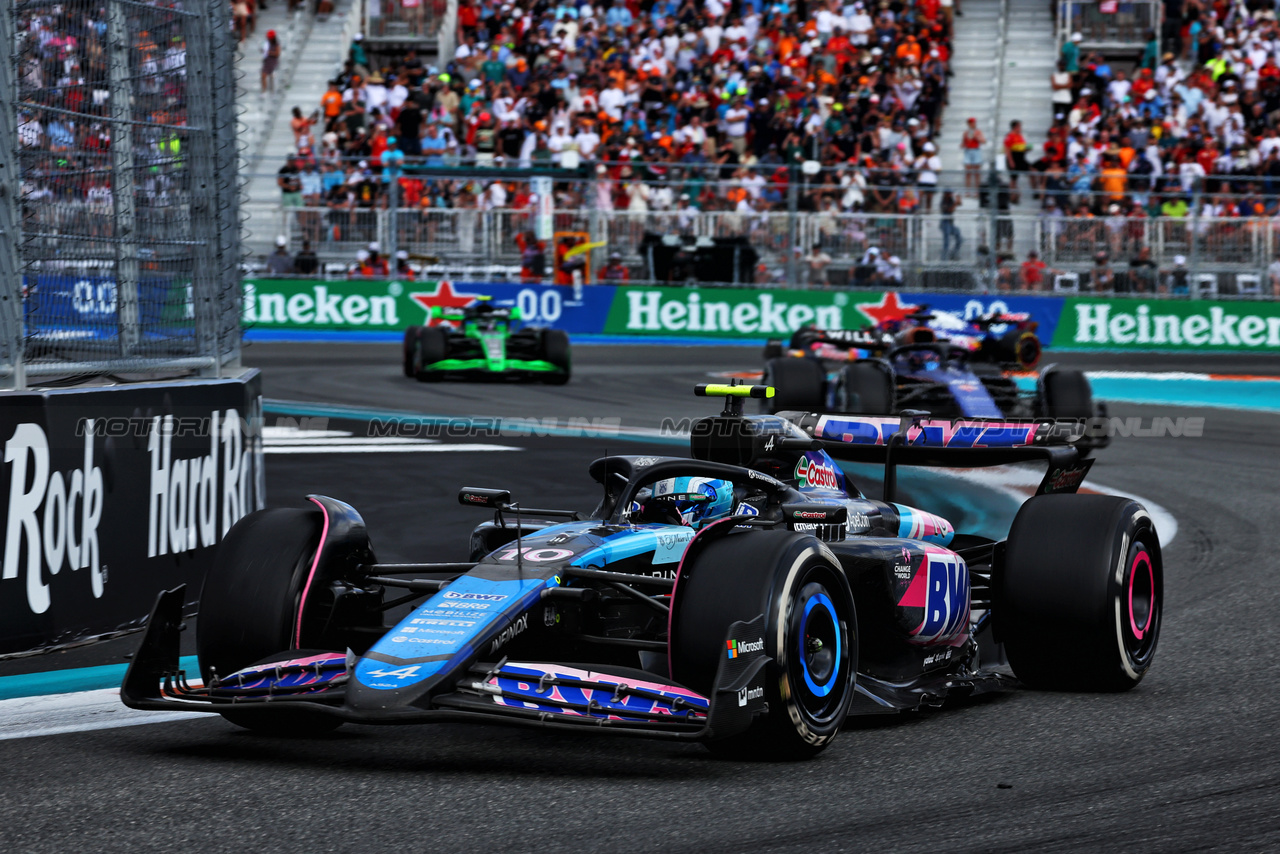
444 296
888 309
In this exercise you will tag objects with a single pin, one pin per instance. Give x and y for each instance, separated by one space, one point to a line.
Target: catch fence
119 230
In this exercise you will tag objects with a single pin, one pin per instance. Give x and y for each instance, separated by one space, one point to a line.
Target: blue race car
910 365
751 597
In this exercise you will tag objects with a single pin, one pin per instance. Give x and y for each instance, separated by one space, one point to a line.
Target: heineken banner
289 308
1136 324
776 313
306 308
301 309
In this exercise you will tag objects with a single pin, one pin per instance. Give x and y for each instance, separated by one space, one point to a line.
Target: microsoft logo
736 648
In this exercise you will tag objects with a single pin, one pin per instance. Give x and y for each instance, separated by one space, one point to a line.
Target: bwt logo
53 517
187 495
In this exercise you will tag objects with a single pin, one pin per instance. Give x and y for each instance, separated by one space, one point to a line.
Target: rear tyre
1067 394
1080 596
810 635
248 607
866 389
1026 348
410 341
555 349
797 384
432 345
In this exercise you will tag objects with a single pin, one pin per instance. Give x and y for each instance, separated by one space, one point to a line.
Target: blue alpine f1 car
750 597
921 362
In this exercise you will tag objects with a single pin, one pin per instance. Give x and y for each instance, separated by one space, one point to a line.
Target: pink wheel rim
1141 559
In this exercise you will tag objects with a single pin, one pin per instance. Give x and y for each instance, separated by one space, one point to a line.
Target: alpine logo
737 648
816 474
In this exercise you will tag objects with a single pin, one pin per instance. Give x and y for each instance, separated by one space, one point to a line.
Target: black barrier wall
111 494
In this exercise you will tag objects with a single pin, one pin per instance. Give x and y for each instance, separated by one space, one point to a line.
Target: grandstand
1149 149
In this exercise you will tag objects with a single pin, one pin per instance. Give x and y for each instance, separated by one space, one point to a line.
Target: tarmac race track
1187 761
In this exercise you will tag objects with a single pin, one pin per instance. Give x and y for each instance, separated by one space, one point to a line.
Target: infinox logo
816 474
736 648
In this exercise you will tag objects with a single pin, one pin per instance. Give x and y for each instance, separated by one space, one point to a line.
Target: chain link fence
119 223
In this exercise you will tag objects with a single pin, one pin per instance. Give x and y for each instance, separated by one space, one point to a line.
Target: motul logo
816 474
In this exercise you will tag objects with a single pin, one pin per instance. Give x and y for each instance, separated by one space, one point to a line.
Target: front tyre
810 635
1080 595
797 384
865 388
249 607
410 342
431 346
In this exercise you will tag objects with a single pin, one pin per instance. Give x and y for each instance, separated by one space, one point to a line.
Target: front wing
615 700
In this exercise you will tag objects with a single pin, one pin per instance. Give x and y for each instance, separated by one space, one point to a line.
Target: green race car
490 343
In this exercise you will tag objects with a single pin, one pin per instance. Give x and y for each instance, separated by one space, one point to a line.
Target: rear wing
918 440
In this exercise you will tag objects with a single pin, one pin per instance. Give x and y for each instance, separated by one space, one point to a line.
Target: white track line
55 714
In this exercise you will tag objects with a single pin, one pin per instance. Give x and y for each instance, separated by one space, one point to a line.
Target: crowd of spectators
669 104
64 120
1190 131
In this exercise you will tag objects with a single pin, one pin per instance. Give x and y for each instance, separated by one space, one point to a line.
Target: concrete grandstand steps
311 61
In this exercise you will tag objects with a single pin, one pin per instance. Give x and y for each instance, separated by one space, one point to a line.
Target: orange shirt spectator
909 51
1113 181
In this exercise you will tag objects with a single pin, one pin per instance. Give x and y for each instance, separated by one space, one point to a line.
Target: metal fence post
122 177
226 182
393 225
793 225
204 268
11 303
1193 236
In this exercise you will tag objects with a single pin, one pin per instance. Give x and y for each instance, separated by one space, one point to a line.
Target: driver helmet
690 501
924 361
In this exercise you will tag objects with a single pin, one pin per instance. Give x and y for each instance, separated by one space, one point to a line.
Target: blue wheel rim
820 600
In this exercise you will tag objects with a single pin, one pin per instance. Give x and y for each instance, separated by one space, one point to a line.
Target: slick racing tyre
797 384
431 346
555 349
410 342
1066 394
810 635
865 388
1079 599
248 607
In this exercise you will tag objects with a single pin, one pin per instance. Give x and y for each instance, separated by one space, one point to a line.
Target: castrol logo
816 474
